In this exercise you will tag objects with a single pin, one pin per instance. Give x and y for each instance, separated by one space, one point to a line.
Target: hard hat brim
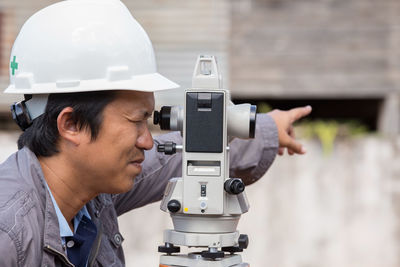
146 83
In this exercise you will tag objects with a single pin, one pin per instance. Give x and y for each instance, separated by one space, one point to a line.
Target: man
86 155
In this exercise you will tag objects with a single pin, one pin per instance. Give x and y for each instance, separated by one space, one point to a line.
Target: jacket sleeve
249 160
8 251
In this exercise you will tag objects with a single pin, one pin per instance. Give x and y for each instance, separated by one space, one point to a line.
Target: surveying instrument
205 204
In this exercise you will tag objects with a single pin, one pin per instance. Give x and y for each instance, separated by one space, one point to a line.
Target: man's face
110 163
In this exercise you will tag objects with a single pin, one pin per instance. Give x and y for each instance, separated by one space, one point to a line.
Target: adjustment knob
232 250
234 186
174 205
169 148
169 248
243 241
21 115
212 254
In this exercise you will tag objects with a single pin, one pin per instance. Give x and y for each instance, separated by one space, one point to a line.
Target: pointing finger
298 113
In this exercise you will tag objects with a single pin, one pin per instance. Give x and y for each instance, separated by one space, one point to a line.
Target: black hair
42 136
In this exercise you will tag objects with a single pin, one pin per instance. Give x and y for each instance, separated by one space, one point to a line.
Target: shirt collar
65 230
79 216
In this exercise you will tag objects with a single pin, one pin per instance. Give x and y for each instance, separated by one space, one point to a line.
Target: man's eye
138 121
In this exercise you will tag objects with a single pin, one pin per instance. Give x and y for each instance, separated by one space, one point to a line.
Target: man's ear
67 128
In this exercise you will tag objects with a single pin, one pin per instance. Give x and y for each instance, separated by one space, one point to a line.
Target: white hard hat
83 45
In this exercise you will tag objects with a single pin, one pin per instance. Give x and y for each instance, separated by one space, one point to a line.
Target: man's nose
145 140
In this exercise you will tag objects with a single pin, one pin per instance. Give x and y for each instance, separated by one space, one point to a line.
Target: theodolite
205 204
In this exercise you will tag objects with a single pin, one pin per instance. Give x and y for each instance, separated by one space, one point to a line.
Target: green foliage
328 131
263 107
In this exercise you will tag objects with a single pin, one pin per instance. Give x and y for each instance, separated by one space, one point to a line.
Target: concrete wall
341 210
313 210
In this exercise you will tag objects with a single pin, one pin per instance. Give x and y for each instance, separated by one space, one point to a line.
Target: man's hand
284 122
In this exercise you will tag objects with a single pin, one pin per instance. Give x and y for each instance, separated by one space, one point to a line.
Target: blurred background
339 205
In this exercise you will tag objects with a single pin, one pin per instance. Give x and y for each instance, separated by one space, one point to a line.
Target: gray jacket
29 230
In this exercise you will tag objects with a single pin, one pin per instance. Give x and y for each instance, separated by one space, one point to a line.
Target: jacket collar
29 166
51 226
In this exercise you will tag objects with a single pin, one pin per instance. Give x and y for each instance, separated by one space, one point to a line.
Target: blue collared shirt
65 230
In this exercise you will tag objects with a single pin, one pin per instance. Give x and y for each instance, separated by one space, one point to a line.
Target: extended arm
249 160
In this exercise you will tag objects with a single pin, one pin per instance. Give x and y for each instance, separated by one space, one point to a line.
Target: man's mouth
137 162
